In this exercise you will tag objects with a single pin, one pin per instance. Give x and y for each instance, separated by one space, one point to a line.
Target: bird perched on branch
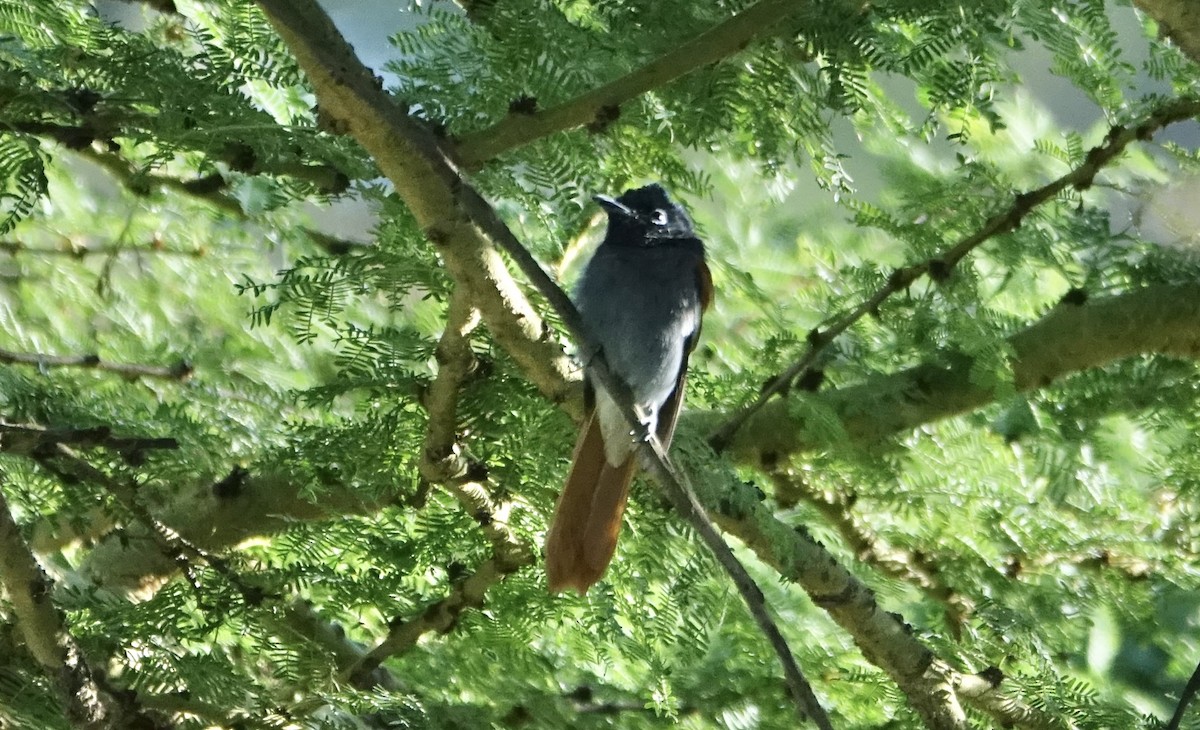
641 297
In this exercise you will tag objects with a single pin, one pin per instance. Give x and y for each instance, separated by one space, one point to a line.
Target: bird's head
643 216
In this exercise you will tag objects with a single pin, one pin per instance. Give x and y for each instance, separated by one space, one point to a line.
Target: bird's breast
642 305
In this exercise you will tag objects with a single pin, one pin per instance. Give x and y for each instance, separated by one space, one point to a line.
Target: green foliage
158 183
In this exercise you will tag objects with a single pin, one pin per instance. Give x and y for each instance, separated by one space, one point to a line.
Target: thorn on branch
240 156
992 675
232 485
939 269
811 380
1074 297
205 185
604 118
524 104
477 471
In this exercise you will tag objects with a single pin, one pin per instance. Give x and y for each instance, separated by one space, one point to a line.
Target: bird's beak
613 206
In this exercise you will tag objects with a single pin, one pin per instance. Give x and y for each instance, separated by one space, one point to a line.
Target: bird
641 298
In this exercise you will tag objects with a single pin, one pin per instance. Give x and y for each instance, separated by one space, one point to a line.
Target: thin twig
299 618
181 370
238 156
1185 699
26 439
941 266
202 189
440 615
78 252
207 189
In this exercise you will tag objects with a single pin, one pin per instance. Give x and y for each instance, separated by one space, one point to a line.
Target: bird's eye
659 218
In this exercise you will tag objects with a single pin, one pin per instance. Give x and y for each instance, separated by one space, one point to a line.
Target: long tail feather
587 520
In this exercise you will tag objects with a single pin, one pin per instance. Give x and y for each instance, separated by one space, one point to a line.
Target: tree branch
301 619
905 565
942 265
216 517
721 41
1157 319
1185 699
440 615
163 6
27 439
181 370
442 458
1178 20
77 252
933 688
207 189
169 542
1161 318
237 155
444 463
412 159
45 634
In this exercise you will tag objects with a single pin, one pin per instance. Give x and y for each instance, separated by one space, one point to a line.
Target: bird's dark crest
652 201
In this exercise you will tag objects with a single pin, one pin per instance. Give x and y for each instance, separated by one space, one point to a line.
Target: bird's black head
644 217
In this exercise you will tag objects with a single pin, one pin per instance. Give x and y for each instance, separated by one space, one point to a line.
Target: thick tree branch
1162 319
933 688
918 570
942 265
217 517
169 542
412 159
181 370
721 41
1178 20
45 634
983 691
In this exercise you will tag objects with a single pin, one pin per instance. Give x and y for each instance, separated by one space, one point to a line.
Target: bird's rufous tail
587 520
